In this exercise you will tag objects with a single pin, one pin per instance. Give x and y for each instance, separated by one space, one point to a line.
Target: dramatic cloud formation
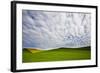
47 30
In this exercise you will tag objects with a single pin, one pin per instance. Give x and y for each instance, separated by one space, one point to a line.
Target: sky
51 29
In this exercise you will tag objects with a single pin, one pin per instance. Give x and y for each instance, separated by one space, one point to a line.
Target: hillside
60 54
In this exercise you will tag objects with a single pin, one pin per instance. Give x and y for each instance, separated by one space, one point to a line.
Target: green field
60 54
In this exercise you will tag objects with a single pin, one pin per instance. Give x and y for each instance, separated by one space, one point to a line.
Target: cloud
46 30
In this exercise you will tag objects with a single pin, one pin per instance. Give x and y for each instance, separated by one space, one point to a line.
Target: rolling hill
60 54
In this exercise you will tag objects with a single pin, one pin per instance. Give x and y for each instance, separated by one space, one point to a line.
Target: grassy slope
60 54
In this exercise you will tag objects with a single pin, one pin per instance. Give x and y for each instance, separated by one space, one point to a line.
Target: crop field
60 54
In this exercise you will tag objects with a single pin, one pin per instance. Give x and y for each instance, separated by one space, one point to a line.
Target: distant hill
88 47
34 50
